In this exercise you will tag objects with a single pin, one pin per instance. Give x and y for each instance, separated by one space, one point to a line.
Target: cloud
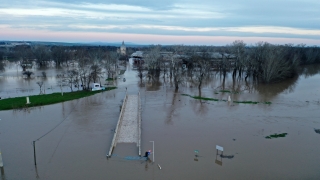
251 18
46 35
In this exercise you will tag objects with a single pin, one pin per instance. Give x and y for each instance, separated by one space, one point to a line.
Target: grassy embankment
224 91
45 99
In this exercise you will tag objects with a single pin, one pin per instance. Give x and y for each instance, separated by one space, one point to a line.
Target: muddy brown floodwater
180 126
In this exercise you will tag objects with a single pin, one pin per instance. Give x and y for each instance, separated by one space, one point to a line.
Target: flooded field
72 138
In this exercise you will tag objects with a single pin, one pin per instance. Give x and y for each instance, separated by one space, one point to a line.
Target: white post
152 151
1 162
229 99
28 102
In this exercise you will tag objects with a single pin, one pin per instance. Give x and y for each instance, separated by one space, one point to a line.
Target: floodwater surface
73 138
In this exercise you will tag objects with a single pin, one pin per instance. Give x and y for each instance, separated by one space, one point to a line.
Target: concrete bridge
128 129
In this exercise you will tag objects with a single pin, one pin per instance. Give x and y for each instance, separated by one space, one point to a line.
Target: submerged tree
72 78
60 54
42 54
95 73
238 50
23 53
110 64
28 73
152 58
83 67
140 72
275 67
177 68
201 63
152 61
40 84
62 81
2 66
268 63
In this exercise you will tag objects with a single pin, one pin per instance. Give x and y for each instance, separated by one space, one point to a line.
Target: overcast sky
206 22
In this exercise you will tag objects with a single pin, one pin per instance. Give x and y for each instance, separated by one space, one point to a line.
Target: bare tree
83 67
140 72
60 54
84 70
202 63
61 81
95 73
40 84
28 73
23 52
26 64
97 55
238 50
177 68
312 55
71 77
110 64
2 66
274 66
3 57
152 58
223 63
42 54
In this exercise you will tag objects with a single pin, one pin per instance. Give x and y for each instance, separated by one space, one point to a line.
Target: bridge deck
128 130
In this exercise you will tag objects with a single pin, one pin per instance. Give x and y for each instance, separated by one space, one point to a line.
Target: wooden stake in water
1 162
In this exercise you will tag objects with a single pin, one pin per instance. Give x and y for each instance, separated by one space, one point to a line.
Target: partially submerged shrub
276 135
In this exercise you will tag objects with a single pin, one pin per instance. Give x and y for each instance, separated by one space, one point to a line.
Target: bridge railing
139 123
114 140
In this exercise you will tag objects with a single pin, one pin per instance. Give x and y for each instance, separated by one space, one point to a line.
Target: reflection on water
310 70
218 159
269 91
37 174
2 173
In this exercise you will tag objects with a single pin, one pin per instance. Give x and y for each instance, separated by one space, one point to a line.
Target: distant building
122 50
137 57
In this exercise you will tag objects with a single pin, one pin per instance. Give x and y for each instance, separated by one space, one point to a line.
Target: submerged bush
276 135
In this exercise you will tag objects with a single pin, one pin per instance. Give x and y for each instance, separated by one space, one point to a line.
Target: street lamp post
152 151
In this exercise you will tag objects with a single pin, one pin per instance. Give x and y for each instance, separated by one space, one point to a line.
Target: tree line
82 65
262 62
